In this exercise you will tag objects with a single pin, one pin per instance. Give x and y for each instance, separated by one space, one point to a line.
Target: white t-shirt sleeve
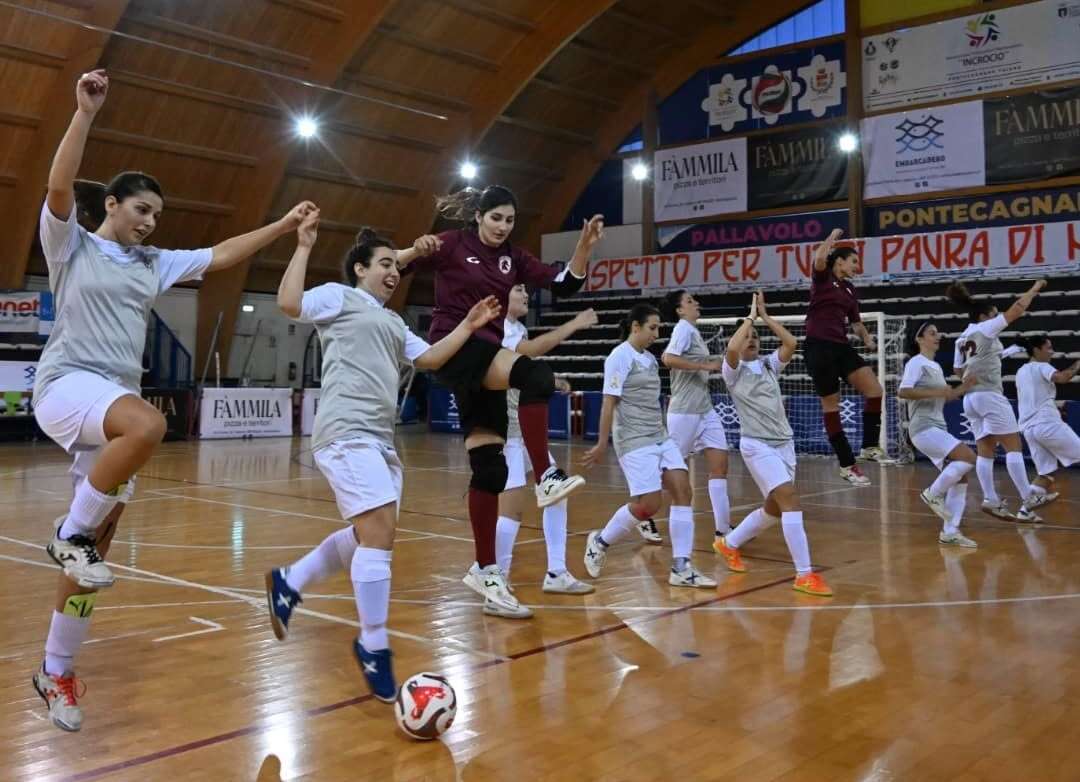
514 334
912 372
182 265
616 368
1012 350
730 373
991 328
680 339
322 304
414 346
1046 369
774 362
959 359
59 238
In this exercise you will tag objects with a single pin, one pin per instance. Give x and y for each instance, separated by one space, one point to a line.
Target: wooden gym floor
929 664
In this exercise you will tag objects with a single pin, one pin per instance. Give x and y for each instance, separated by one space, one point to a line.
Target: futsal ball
425 706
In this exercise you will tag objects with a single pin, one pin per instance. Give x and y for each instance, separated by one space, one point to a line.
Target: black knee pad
534 379
489 472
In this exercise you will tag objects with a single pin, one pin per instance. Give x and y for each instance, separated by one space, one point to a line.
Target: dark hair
838 254
959 295
89 204
669 305
1031 344
463 205
130 183
915 329
361 253
639 314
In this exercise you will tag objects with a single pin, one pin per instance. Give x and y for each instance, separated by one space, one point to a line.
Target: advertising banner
26 312
700 180
1050 206
1032 136
808 227
797 166
245 412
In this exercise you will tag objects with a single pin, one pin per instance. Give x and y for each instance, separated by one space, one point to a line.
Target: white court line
211 627
258 602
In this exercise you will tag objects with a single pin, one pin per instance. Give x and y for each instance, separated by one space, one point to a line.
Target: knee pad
534 379
489 471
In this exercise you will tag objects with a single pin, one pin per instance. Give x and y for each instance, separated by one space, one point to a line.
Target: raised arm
1020 306
1066 375
90 92
821 254
592 231
424 246
548 341
232 251
788 343
482 313
290 292
739 339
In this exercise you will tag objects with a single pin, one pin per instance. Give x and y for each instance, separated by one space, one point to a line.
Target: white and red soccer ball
425 706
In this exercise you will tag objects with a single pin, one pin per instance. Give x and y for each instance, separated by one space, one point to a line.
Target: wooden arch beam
254 196
553 31
32 175
700 52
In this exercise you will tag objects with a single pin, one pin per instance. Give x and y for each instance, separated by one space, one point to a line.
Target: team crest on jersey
504 264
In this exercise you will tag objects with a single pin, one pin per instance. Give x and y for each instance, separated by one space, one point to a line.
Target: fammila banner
1033 136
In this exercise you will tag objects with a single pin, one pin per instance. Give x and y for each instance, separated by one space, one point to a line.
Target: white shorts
935 444
518 464
694 432
364 475
1052 443
769 465
72 412
84 462
643 467
989 413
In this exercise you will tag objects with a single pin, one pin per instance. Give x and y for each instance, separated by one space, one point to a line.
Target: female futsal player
86 394
650 460
471 263
1050 439
352 441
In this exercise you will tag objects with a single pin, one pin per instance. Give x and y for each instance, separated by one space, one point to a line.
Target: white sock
555 536
1014 463
506 531
1037 489
791 522
955 502
371 586
949 477
721 506
750 527
681 527
88 509
66 634
619 525
333 555
984 468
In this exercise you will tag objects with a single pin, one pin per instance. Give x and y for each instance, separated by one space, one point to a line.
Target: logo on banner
870 49
981 30
504 264
30 374
772 93
826 80
723 105
920 136
891 43
822 81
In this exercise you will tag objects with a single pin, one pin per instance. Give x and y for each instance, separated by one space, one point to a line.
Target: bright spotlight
306 127
248 307
639 172
848 142
468 170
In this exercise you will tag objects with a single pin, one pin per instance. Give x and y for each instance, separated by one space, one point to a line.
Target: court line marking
210 627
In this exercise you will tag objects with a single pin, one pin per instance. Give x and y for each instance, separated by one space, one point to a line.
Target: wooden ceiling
537 92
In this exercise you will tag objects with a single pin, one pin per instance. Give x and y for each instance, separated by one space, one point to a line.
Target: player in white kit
767 446
923 386
1050 439
650 460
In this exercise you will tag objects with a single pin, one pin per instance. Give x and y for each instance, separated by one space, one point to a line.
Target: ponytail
462 206
669 305
959 295
639 314
367 241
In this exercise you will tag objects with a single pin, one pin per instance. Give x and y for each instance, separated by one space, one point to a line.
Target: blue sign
443 413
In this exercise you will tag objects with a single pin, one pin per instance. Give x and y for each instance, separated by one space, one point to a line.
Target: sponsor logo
981 31
472 259
822 81
771 93
505 264
919 136
891 43
724 96
870 49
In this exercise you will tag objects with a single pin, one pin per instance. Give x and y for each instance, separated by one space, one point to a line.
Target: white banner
700 180
1042 248
17 375
924 150
21 311
245 412
1020 46
309 405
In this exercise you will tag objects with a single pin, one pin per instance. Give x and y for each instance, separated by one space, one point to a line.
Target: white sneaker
854 476
595 555
490 583
555 485
936 503
690 577
956 539
1026 515
1037 499
648 531
999 509
565 584
873 454
79 557
59 694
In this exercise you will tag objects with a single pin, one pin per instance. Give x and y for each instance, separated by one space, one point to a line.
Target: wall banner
245 412
700 180
808 227
1033 136
797 166
1051 206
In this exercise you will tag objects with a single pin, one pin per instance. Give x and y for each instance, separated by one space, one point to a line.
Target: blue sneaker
378 669
281 599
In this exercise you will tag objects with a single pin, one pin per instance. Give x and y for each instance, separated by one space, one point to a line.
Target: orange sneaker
731 556
812 584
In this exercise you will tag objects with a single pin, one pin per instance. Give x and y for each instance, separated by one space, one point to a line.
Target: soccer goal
803 407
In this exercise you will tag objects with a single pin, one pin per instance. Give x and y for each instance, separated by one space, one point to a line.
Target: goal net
803 406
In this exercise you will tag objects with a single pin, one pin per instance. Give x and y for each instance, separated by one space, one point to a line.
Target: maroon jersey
467 270
833 305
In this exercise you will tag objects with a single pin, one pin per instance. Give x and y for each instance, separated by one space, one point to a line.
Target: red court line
270 723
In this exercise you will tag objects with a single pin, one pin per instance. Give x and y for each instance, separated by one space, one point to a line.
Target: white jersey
689 388
514 333
922 372
1037 394
634 377
978 351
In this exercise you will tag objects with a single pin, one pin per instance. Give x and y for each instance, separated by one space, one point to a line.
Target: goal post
802 404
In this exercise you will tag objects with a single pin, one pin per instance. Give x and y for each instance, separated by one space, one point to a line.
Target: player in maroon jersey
834 306
471 263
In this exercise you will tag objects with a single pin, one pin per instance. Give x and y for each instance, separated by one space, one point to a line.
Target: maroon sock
484 516
835 430
533 418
